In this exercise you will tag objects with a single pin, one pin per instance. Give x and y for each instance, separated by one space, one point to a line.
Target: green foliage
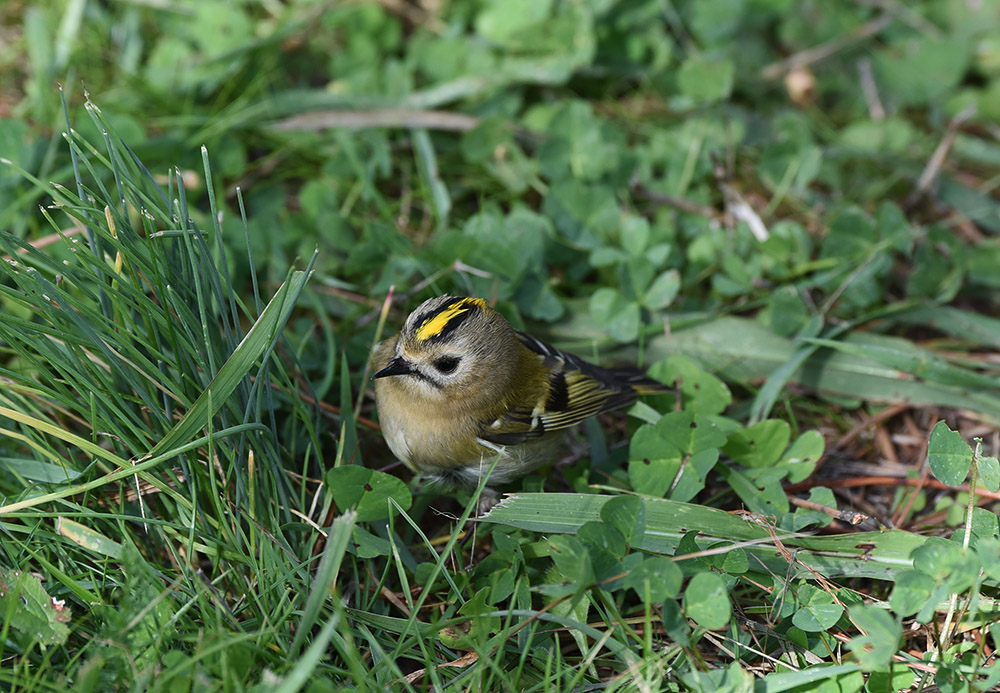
367 491
949 456
877 646
32 613
177 512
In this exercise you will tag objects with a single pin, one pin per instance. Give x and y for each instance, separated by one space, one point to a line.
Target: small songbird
459 388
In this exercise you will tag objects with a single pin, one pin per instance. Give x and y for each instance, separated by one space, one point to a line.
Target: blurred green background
533 141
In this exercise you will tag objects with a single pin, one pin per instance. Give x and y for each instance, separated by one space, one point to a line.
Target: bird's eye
446 364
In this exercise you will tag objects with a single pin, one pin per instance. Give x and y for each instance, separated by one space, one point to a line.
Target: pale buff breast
442 441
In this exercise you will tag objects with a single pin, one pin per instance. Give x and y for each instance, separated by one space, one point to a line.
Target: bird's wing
576 391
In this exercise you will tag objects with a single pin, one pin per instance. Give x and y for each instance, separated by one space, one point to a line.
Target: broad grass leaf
966 325
913 360
744 351
40 471
669 523
88 538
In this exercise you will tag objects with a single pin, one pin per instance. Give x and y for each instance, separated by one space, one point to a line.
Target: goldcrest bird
459 389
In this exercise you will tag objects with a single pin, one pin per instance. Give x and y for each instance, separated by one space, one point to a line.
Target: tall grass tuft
143 410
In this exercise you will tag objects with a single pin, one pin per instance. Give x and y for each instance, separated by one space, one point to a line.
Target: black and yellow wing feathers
575 390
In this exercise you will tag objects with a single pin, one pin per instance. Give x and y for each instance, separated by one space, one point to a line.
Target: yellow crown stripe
435 325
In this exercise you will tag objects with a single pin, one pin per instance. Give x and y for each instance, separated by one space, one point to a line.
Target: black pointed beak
397 366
